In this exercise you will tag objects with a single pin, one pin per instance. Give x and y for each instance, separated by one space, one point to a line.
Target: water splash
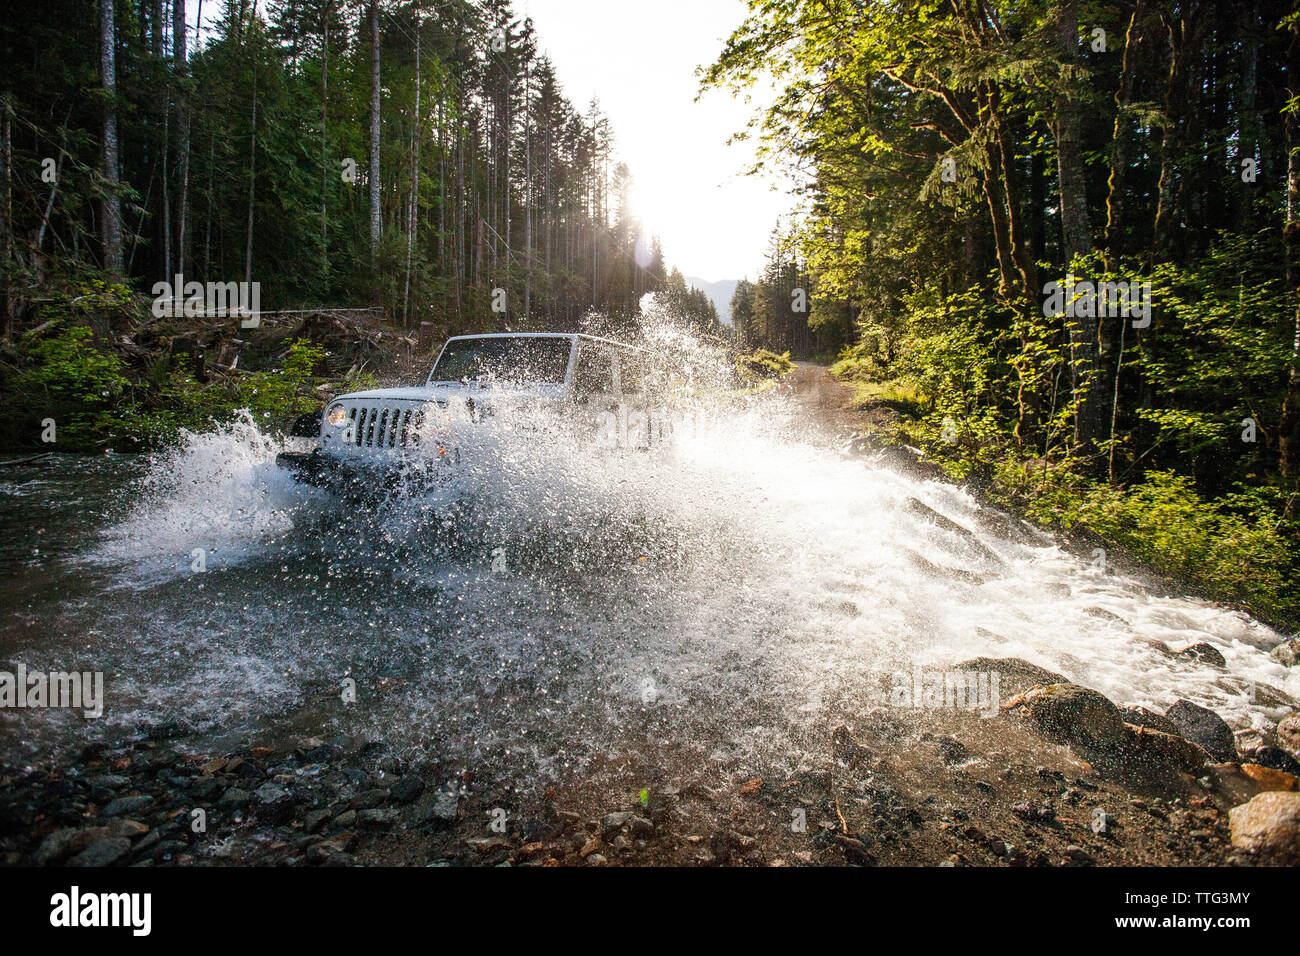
558 603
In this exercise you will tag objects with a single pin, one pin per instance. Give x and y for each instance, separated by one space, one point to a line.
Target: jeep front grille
378 427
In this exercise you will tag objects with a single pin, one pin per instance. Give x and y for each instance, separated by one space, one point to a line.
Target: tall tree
376 221
111 203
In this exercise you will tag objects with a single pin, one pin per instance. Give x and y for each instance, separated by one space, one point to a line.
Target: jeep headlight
336 416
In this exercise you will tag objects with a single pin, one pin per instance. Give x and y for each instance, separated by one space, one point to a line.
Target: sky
639 60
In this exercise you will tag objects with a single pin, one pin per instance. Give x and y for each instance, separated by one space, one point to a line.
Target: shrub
762 364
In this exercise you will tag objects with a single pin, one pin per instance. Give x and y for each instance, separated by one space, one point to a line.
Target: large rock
407 790
127 805
1077 715
1232 784
1288 734
443 809
1206 653
972 541
1141 717
1015 676
1288 652
234 799
1269 825
55 847
1153 753
271 793
1270 779
1274 757
104 852
1203 726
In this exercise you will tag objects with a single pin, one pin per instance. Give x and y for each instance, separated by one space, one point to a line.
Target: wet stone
376 819
1205 653
234 799
271 793
407 790
369 799
127 805
103 852
1203 726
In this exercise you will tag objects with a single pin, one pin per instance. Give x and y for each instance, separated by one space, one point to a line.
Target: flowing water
553 609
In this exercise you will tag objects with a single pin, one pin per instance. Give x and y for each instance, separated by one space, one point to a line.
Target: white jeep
606 389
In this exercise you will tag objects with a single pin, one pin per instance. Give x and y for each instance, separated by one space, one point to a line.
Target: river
554 614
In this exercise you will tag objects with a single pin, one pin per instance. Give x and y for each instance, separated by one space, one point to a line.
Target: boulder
376 819
103 852
442 809
55 847
1269 825
1141 717
1203 726
1273 757
127 805
271 793
1206 653
1153 753
1287 653
1270 779
234 799
1288 734
1015 676
1232 784
1078 715
407 790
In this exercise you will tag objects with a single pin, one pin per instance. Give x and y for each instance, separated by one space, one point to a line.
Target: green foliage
62 371
283 392
1217 349
274 397
779 312
1238 546
762 364
68 379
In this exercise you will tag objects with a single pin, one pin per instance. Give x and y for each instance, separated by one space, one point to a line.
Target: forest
411 164
975 173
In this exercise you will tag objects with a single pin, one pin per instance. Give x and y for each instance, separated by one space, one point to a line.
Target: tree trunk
1121 141
1289 430
415 179
324 147
6 215
376 224
252 185
182 131
528 190
111 205
1250 146
1086 334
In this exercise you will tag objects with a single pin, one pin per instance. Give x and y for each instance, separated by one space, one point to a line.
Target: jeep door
595 399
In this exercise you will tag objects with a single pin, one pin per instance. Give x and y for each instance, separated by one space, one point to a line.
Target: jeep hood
446 391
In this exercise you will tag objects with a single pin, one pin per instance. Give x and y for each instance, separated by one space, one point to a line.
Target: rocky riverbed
1060 777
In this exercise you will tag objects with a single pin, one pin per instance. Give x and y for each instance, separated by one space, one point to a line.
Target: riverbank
1238 549
102 372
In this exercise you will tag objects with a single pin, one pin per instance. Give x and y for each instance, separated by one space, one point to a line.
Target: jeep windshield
515 359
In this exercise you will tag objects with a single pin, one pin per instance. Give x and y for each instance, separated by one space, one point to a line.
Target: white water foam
750 581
